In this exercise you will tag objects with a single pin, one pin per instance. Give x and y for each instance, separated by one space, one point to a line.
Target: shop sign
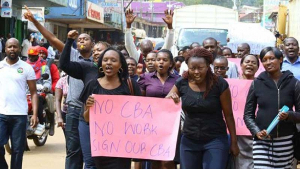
6 8
95 12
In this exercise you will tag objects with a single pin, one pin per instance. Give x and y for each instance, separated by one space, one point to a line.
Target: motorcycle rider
40 67
43 53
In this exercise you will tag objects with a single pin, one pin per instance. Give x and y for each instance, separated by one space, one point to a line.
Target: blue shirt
293 67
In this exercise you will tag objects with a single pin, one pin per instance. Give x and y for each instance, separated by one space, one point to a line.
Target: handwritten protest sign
239 91
134 127
237 61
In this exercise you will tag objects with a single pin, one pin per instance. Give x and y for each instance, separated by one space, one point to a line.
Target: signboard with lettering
95 12
6 8
134 127
38 13
239 91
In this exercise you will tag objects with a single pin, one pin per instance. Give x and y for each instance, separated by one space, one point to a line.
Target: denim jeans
13 127
195 154
84 133
74 158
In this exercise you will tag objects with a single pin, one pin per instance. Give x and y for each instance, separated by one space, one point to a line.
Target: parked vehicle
196 22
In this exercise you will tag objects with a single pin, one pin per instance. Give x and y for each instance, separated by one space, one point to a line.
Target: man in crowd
89 71
185 51
243 49
220 66
40 67
292 61
211 45
43 53
195 45
26 44
15 75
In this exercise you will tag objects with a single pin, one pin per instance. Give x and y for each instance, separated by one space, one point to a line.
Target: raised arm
174 94
227 111
169 40
73 69
58 99
129 42
47 34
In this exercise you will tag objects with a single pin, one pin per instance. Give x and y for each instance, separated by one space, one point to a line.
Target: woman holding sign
204 96
270 91
113 75
158 84
249 65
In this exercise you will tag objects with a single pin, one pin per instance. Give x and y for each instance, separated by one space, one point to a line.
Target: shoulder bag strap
130 86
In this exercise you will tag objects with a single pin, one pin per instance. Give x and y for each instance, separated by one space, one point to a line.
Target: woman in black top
113 75
271 90
204 96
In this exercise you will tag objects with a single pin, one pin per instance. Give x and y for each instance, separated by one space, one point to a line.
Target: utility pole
152 6
141 8
122 16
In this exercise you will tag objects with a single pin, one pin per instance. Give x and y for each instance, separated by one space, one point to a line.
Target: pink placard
237 61
134 127
239 91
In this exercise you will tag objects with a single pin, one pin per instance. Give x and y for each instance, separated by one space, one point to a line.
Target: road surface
51 155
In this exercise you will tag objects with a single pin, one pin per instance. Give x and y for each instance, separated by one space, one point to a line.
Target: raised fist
73 34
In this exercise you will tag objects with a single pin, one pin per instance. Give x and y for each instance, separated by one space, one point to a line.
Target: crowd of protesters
196 77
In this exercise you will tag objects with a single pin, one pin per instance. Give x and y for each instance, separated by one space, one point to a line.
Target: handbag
230 162
129 82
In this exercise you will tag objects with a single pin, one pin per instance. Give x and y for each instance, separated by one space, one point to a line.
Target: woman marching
205 99
249 65
158 84
270 91
113 76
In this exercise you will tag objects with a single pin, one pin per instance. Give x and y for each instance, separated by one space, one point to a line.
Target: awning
83 23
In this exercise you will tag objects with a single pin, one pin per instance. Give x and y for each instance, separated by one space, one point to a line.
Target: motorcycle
40 133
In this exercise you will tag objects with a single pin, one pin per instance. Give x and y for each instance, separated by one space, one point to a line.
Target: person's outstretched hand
129 17
28 15
168 19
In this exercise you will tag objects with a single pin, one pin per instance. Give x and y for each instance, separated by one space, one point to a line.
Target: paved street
49 156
